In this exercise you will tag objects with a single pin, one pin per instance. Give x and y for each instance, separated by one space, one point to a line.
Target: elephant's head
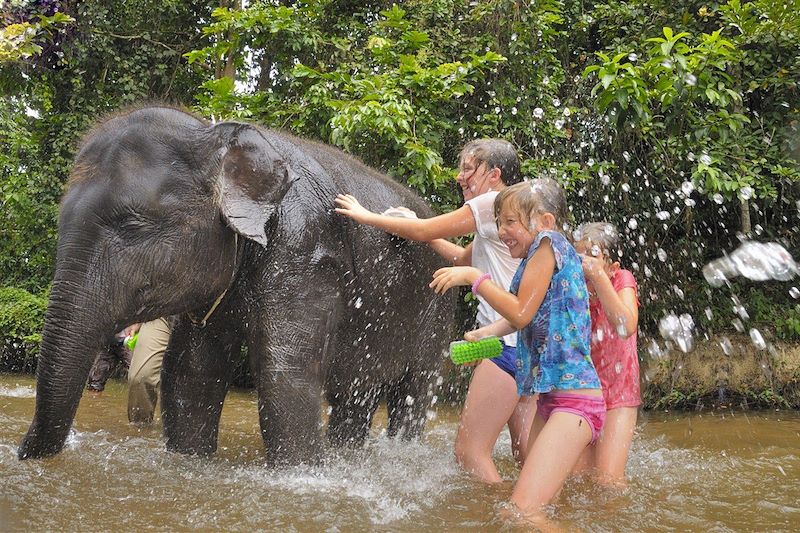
145 230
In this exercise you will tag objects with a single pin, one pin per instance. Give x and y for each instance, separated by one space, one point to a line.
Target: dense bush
676 120
21 322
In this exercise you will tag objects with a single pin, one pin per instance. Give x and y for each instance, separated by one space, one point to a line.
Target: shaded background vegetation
676 120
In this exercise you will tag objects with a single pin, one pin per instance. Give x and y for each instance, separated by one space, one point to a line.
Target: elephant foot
35 446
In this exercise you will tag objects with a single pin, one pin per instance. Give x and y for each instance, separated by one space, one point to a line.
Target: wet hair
496 153
535 197
602 234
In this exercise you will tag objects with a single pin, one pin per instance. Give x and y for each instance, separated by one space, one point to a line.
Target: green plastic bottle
130 342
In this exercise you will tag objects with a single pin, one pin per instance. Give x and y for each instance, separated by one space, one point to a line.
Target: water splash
18 392
678 329
757 261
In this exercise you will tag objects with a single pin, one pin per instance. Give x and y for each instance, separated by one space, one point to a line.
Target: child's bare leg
614 445
519 426
490 402
586 461
550 459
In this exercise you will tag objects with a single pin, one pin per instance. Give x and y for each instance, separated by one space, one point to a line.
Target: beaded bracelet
481 279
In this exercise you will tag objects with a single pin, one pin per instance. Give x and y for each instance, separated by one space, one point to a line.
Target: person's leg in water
519 426
611 450
491 402
557 440
144 375
606 459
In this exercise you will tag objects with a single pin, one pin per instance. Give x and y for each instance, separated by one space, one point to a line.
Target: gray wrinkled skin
165 212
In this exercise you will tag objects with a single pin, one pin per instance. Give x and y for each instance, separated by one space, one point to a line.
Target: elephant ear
253 180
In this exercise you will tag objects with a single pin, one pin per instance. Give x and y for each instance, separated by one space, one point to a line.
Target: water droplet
794 293
725 343
679 330
758 340
662 255
718 198
654 350
626 187
745 193
626 155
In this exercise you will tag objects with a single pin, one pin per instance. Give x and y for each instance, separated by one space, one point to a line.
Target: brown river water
721 471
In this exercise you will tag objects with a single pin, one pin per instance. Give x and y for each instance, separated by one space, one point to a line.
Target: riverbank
724 372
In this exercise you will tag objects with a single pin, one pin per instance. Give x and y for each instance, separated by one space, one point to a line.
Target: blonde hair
535 197
602 234
496 153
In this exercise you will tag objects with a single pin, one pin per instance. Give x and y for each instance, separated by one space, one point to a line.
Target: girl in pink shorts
548 304
614 310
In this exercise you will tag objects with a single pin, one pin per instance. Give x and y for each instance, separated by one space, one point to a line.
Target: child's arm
499 328
519 310
454 224
452 253
620 307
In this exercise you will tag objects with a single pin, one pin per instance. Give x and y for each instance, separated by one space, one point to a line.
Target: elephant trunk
74 333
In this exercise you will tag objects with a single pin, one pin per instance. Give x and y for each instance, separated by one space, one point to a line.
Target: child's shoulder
623 279
560 245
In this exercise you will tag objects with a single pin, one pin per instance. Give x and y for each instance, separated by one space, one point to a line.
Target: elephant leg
351 418
195 377
408 401
291 362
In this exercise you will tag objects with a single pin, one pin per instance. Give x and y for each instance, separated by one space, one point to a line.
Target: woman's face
473 177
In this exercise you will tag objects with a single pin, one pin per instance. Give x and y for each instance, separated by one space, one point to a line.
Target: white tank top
489 254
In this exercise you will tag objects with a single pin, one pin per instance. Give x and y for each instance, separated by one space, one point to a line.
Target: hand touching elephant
230 227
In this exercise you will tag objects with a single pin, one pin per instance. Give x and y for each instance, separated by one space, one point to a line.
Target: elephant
230 228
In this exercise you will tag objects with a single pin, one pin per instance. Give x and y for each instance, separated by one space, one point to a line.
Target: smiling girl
548 303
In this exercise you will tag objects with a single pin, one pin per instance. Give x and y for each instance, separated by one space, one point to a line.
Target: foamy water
688 472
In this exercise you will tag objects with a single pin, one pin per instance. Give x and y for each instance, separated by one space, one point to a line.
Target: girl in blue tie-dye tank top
548 304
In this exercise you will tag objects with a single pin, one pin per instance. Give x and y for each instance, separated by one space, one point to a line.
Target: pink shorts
591 408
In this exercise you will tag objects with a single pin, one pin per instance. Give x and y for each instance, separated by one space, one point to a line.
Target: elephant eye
131 224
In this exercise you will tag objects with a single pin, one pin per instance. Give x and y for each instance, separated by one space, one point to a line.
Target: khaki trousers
144 374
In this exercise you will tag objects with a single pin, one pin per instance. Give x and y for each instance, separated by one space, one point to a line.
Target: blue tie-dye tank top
553 351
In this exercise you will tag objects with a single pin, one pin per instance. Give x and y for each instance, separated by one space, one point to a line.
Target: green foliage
21 322
111 55
20 41
676 120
